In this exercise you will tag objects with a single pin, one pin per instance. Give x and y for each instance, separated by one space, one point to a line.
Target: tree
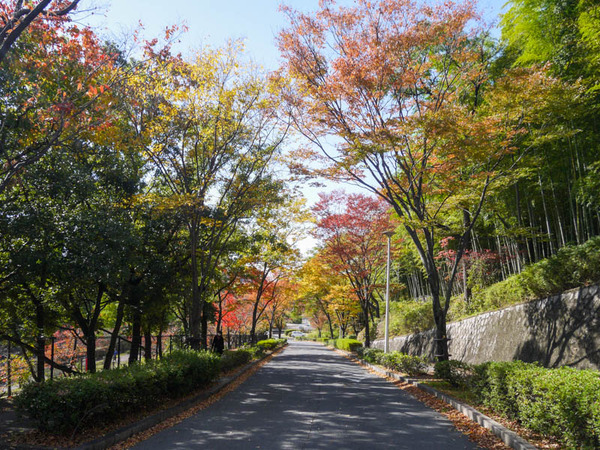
272 255
210 130
16 16
278 308
67 242
351 228
317 281
406 90
54 91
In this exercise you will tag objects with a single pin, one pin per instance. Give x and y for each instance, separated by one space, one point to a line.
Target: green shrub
457 373
350 345
268 344
561 402
65 404
261 347
230 359
491 386
371 355
401 362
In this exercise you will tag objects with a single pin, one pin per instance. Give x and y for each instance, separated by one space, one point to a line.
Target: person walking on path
218 343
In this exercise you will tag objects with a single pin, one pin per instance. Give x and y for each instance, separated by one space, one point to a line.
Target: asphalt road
309 397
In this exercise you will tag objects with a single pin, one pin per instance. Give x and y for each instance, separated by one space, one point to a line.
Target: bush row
271 344
350 345
400 362
231 359
64 405
564 402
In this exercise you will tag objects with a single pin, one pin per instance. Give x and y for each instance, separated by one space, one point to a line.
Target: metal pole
386 347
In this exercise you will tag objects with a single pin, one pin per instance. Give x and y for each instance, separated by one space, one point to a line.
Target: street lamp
386 347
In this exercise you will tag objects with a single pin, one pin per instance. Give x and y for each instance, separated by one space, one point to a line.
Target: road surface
309 397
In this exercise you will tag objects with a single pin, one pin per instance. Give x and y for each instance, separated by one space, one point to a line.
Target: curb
127 431
507 436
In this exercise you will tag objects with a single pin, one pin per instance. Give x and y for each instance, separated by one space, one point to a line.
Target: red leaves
352 227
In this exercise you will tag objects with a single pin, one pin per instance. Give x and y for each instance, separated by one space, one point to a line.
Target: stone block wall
555 331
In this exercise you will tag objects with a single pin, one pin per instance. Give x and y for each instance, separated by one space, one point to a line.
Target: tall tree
209 128
351 228
402 87
272 255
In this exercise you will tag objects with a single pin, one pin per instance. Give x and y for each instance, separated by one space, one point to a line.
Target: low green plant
230 359
457 373
371 355
349 345
401 362
564 402
268 344
398 361
67 405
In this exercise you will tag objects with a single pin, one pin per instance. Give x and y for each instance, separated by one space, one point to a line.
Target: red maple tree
351 228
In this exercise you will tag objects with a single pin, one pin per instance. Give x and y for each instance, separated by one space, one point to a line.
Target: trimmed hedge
561 402
350 345
230 359
261 347
457 373
398 361
271 344
564 402
371 355
65 405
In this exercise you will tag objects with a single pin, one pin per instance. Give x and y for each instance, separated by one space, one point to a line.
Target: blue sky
213 22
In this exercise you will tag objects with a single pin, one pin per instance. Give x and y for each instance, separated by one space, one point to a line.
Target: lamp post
386 347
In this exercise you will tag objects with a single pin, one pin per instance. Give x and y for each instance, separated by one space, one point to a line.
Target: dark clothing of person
218 344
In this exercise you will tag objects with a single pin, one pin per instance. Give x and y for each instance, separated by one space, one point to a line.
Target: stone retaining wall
555 331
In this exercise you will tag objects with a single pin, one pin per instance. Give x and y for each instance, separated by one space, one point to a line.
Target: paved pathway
309 397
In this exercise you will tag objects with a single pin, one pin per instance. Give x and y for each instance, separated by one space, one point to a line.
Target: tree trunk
196 306
90 353
136 335
466 288
40 341
204 325
114 335
159 349
259 294
148 344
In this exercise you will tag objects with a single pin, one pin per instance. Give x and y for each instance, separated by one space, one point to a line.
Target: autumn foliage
418 118
351 228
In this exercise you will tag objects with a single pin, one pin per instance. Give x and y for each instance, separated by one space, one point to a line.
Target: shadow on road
310 397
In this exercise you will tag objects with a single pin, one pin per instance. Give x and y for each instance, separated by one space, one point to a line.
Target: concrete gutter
127 431
509 437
